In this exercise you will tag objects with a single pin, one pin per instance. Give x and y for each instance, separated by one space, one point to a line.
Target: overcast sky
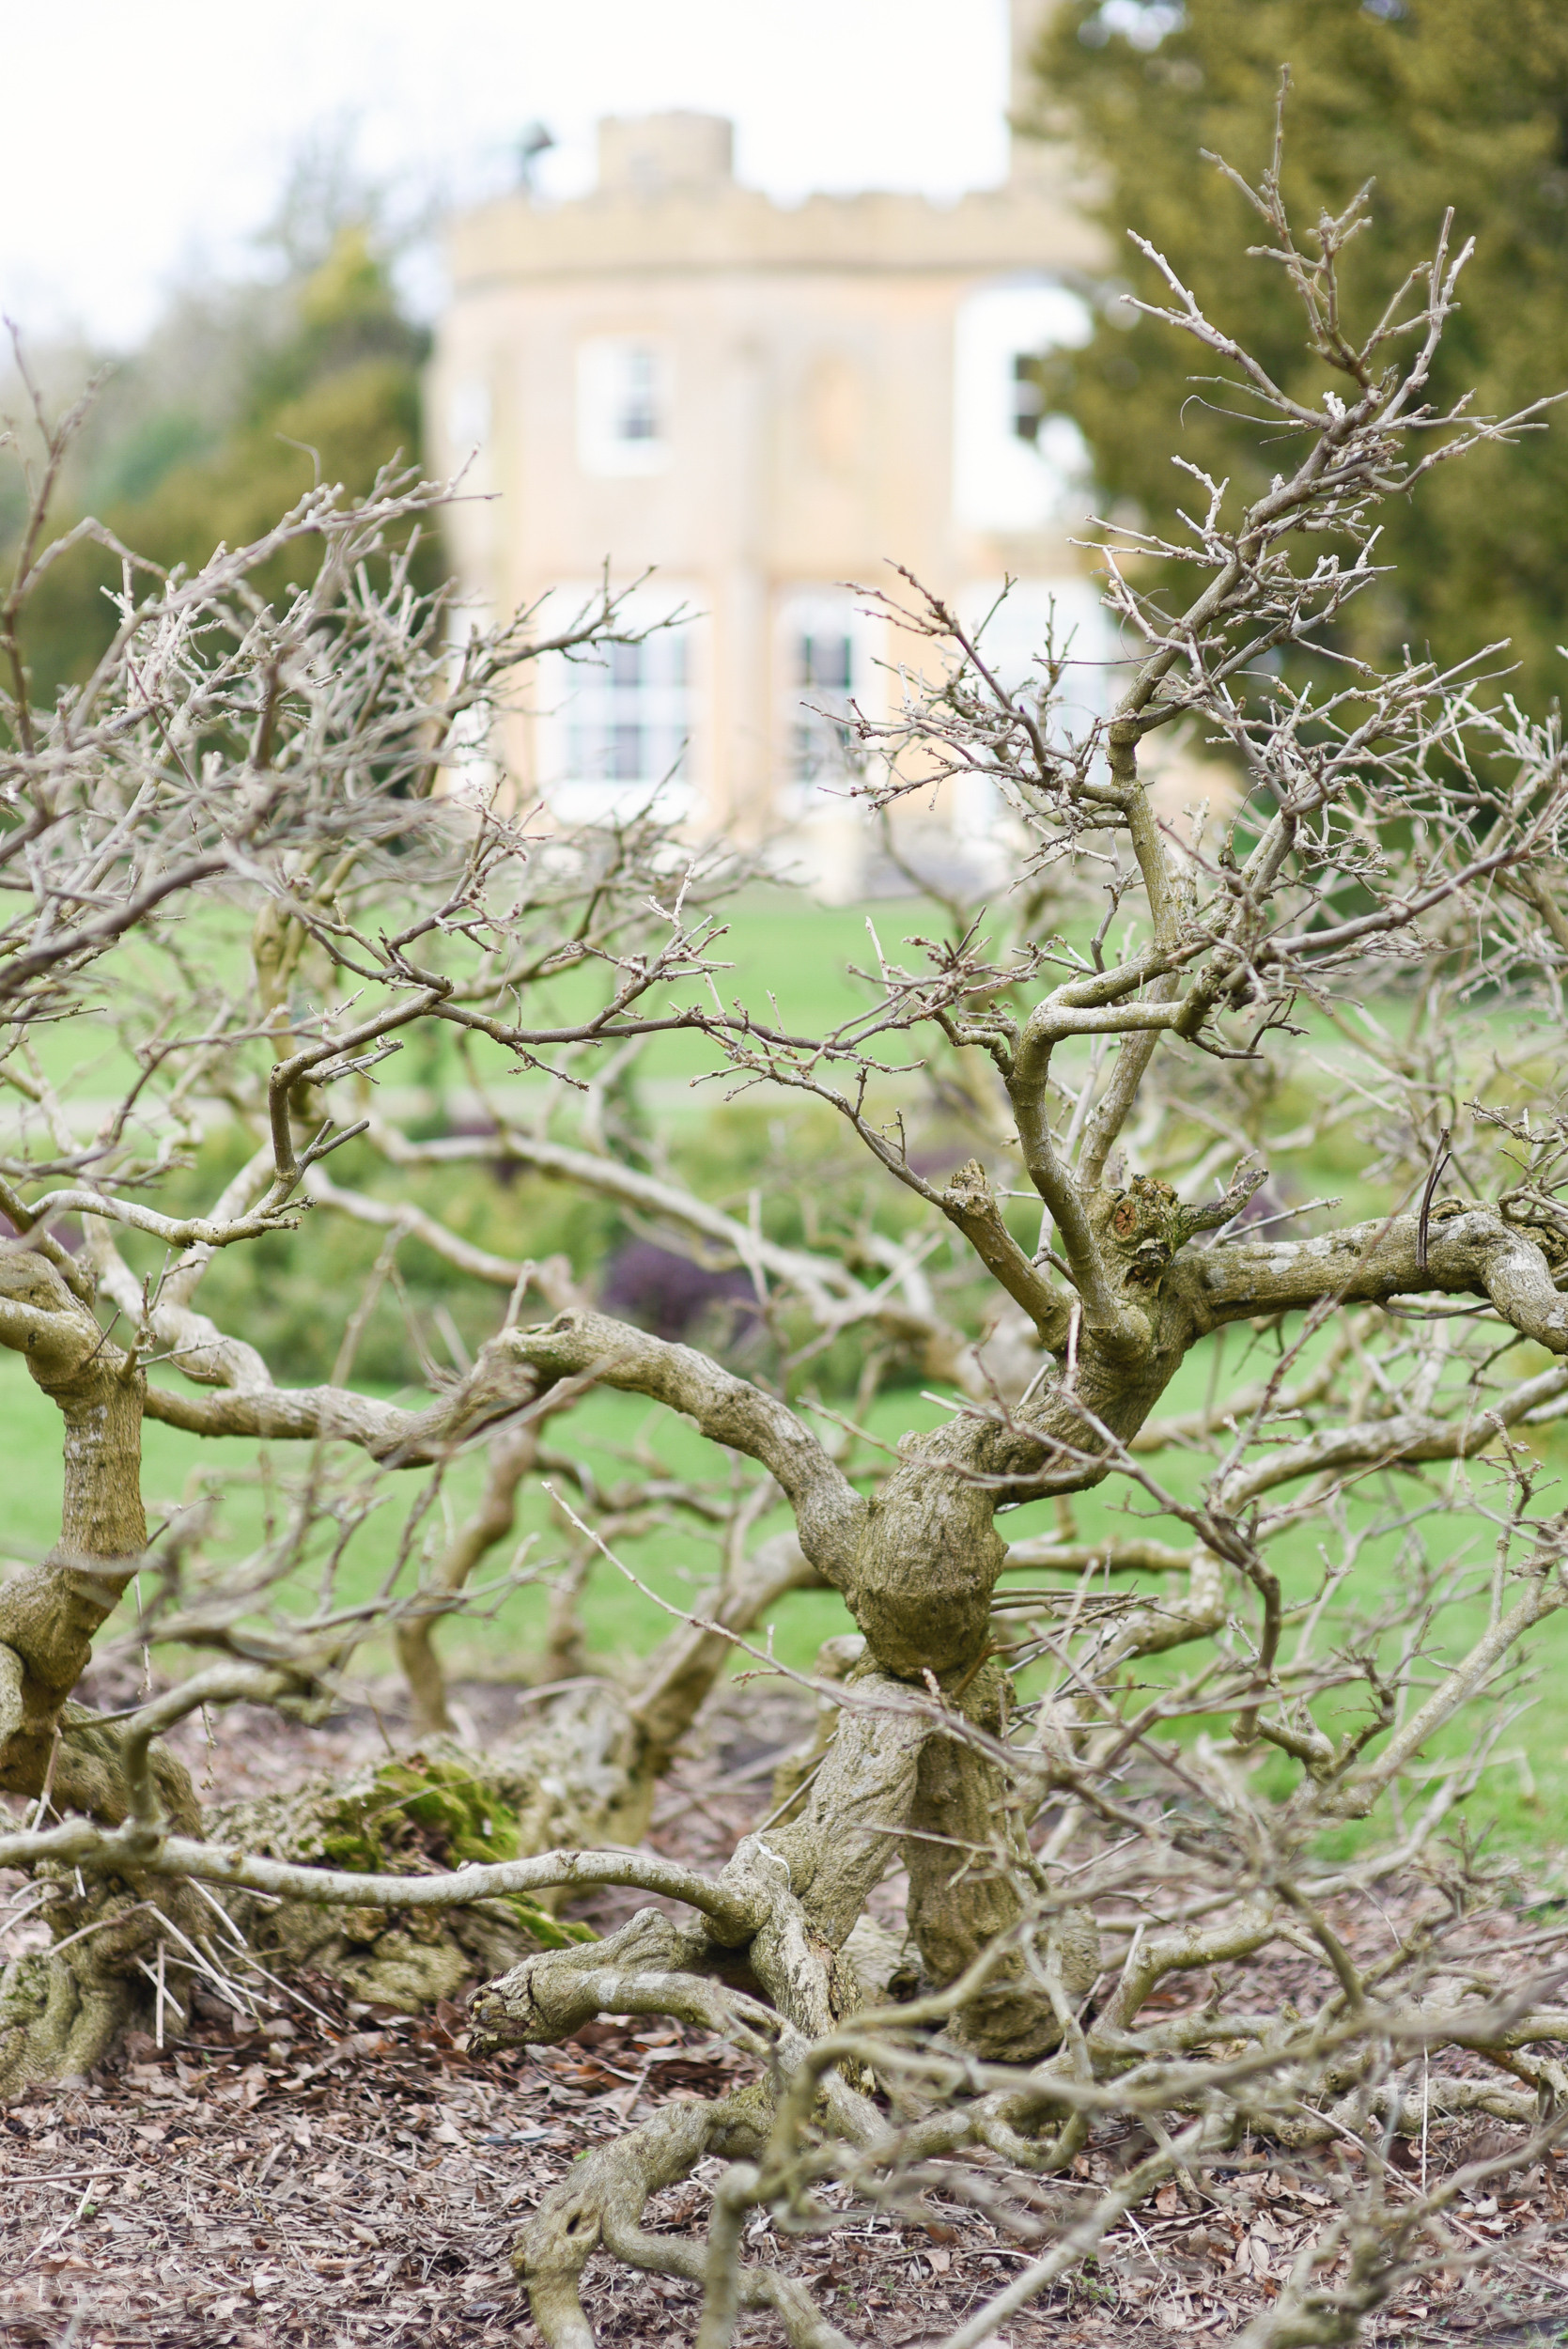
147 141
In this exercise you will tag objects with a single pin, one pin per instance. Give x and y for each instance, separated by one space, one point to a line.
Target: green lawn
619 1619
795 951
783 949
1521 1805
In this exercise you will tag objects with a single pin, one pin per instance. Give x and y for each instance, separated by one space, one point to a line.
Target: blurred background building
752 405
764 395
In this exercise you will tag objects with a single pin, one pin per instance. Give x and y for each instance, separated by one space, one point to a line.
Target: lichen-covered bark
603 2201
49 1612
966 1859
565 1783
60 2012
128 1950
918 1566
915 1764
583 1771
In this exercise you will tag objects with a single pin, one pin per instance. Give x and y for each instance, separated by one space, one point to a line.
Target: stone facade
753 404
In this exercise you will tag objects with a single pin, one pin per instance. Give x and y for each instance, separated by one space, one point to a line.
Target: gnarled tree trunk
583 1772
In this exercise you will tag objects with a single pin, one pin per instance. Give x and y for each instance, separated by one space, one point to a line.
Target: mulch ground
322 2174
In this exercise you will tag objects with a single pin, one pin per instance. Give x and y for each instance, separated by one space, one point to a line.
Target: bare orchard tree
1365 951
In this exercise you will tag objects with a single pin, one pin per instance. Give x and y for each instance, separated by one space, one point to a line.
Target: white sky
147 139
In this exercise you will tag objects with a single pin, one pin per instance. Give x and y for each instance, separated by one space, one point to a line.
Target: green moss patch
426 1812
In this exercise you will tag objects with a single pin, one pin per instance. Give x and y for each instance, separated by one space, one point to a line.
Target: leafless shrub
1378 916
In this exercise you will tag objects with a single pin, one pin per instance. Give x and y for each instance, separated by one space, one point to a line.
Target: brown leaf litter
319 2175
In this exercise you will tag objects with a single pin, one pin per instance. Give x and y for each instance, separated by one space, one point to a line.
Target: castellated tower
757 403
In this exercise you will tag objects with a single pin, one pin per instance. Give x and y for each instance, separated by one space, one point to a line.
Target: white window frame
1070 610
607 394
820 613
467 418
1002 481
580 706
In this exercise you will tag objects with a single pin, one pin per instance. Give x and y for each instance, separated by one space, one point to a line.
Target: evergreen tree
1440 102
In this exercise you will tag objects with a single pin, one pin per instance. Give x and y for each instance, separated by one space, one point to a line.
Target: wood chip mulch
322 2174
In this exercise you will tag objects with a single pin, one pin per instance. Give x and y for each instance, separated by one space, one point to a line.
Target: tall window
1015 468
623 404
629 723
616 731
1014 628
1029 401
825 655
824 665
636 414
1067 614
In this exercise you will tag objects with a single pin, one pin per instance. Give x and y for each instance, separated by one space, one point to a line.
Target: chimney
653 154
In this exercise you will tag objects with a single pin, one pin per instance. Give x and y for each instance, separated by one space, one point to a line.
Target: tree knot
1144 1227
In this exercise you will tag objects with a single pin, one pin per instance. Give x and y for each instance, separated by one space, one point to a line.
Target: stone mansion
755 404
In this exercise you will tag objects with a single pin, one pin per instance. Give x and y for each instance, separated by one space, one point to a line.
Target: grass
620 1619
783 949
1521 1807
796 953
